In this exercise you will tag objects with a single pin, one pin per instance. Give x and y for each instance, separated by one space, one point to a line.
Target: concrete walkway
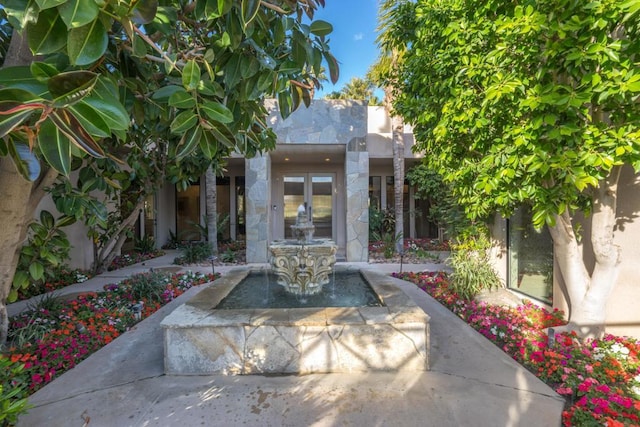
471 383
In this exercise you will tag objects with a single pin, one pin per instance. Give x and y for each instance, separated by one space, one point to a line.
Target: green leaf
113 114
232 71
55 148
87 44
66 220
46 219
164 93
77 13
188 142
70 87
36 270
182 99
48 34
191 75
20 279
47 4
321 28
71 127
144 11
208 145
334 68
249 10
43 71
91 120
217 112
183 121
11 121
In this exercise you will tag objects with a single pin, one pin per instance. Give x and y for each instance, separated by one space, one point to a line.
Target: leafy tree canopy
521 102
191 73
356 88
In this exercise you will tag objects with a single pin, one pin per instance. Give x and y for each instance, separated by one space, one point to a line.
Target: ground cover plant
600 378
415 250
127 259
54 335
61 278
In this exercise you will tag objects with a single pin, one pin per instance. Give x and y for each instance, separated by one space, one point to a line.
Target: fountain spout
303 228
303 266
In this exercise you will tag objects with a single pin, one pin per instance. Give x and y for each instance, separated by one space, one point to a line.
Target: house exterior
336 156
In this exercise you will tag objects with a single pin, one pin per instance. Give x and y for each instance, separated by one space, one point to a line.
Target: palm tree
382 73
356 88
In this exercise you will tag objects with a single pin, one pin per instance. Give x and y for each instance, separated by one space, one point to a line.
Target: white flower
598 353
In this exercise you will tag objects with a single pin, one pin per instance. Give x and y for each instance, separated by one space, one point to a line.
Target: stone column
258 201
357 188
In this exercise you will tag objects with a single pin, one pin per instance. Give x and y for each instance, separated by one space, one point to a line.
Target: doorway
316 190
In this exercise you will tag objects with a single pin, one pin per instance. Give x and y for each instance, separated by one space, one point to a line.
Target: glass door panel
314 190
294 196
322 205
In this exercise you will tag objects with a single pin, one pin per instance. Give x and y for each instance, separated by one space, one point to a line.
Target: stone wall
258 191
324 122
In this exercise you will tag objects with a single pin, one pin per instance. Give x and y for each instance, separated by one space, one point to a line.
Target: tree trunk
588 295
15 209
16 192
397 134
112 247
212 206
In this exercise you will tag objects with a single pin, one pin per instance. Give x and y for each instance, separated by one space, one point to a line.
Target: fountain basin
200 339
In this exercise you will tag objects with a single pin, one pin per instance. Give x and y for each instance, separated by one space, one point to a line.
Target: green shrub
194 253
228 256
13 402
472 270
145 245
149 286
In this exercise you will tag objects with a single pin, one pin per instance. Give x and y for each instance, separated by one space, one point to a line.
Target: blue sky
353 41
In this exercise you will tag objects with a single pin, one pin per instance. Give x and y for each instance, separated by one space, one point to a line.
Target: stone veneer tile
272 316
343 316
374 315
318 352
308 316
204 350
271 349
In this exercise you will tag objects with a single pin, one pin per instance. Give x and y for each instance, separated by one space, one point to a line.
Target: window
223 199
375 192
188 213
530 257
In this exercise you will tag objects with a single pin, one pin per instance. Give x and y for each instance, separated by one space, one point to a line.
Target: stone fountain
303 265
202 337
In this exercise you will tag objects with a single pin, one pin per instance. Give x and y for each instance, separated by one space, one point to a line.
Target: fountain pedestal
303 268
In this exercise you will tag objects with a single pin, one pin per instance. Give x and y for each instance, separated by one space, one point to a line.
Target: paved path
471 383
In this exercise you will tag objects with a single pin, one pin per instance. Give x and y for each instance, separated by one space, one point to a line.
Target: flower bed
599 378
415 251
58 334
63 277
133 258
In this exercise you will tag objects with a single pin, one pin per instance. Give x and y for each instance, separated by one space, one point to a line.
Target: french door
316 190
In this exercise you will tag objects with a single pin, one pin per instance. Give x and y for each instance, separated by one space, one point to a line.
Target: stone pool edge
200 340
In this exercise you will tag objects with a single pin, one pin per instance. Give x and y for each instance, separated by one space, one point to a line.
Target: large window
240 209
188 213
530 257
375 192
223 208
391 202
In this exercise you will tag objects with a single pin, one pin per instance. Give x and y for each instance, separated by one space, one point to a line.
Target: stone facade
258 173
324 122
